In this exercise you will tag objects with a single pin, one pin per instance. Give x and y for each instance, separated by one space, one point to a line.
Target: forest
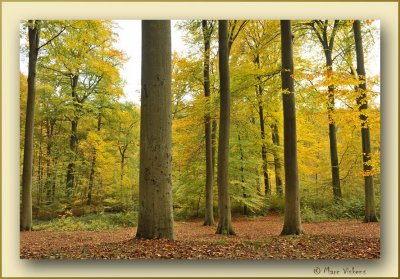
260 141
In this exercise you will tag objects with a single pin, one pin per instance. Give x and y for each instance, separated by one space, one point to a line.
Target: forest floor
257 238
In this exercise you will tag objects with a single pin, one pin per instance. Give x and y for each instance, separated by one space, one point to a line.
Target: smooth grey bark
214 142
277 161
93 166
292 223
327 45
50 181
245 209
224 206
337 192
155 185
209 212
259 93
370 213
26 214
122 152
73 140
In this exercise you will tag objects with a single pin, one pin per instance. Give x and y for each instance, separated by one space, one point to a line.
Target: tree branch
53 38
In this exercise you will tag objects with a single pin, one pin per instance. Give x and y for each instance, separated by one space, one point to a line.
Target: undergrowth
320 209
90 222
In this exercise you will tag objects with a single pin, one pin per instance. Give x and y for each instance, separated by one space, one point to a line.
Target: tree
224 206
207 28
86 61
321 30
259 36
155 189
34 28
292 223
277 161
362 102
26 214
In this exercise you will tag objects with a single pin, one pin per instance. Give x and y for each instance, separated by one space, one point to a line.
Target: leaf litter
257 238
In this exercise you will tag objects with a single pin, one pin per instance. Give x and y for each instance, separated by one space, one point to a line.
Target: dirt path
256 238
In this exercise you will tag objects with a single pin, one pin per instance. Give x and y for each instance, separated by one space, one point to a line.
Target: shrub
91 222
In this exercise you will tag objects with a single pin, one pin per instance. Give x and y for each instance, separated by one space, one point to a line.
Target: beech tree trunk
277 161
155 189
224 206
337 193
209 213
122 151
327 43
259 93
49 162
93 166
73 142
370 213
292 223
213 143
26 206
245 209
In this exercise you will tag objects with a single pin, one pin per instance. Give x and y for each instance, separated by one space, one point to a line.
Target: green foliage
107 153
223 241
318 210
275 205
91 222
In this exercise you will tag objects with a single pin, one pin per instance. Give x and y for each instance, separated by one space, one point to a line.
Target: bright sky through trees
281 117
129 33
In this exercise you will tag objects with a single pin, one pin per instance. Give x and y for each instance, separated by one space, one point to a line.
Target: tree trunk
245 209
73 141
71 165
155 189
370 214
277 161
224 206
292 223
209 213
92 169
213 143
122 153
40 170
26 214
267 189
337 193
49 163
259 93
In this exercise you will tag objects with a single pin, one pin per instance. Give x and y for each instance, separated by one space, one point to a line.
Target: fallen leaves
256 239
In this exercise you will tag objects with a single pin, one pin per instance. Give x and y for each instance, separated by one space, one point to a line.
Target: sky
129 33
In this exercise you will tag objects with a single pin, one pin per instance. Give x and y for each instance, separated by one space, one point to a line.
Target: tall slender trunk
224 206
91 178
40 170
93 166
73 142
209 213
327 43
26 214
267 188
277 161
155 185
370 213
49 162
214 142
259 93
337 193
292 223
122 153
245 209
